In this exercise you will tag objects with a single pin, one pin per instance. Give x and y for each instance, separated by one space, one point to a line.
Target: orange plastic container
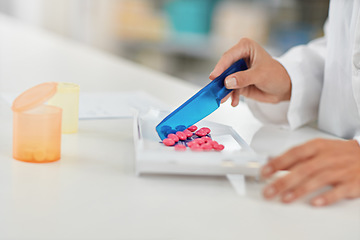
36 126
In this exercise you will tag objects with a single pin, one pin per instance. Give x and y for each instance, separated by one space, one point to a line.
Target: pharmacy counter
93 191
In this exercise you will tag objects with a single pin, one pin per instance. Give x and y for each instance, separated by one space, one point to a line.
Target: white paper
8 97
99 105
116 104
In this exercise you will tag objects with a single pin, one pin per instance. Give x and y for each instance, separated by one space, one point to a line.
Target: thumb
240 79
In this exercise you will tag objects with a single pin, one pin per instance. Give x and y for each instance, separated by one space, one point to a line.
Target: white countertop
93 192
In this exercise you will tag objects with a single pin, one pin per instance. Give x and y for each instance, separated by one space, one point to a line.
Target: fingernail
269 191
288 197
319 202
210 74
230 83
267 170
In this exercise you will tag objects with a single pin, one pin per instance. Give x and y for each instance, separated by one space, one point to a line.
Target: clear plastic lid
34 96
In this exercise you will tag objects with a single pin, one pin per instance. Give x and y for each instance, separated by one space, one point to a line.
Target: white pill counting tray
153 157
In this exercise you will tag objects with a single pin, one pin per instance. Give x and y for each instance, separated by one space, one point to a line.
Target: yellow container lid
64 87
34 96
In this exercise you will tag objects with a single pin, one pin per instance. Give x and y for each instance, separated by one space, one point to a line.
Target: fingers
354 191
235 98
308 170
241 50
256 94
293 180
329 197
314 183
235 95
314 165
226 98
289 159
350 189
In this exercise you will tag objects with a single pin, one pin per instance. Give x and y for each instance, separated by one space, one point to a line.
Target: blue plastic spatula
204 102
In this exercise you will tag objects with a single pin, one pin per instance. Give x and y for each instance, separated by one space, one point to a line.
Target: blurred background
183 38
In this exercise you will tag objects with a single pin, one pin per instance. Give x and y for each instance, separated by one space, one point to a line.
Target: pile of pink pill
194 138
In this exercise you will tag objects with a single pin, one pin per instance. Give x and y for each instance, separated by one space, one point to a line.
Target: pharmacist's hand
314 165
266 80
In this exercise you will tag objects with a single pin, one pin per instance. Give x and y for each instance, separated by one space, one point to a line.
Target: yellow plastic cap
64 87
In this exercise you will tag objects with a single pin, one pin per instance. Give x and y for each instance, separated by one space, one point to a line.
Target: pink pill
180 147
205 129
188 133
173 137
181 135
220 147
199 141
168 142
214 144
200 133
189 144
206 139
192 128
207 147
196 147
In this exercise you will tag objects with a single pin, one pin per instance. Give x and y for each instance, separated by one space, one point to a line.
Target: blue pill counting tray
153 157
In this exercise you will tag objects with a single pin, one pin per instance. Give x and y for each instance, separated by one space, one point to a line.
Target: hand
314 165
266 80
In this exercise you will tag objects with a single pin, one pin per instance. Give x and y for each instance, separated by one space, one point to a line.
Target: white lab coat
325 76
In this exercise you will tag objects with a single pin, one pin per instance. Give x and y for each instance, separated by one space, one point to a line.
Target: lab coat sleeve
357 138
305 66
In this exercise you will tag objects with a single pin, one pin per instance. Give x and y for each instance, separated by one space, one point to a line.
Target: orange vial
36 126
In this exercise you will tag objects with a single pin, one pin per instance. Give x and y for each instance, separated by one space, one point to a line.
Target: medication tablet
214 144
180 128
205 129
220 147
189 144
180 147
172 131
207 147
168 142
196 147
188 133
39 155
200 133
206 139
173 137
27 154
51 155
165 129
192 128
199 141
181 135
192 137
